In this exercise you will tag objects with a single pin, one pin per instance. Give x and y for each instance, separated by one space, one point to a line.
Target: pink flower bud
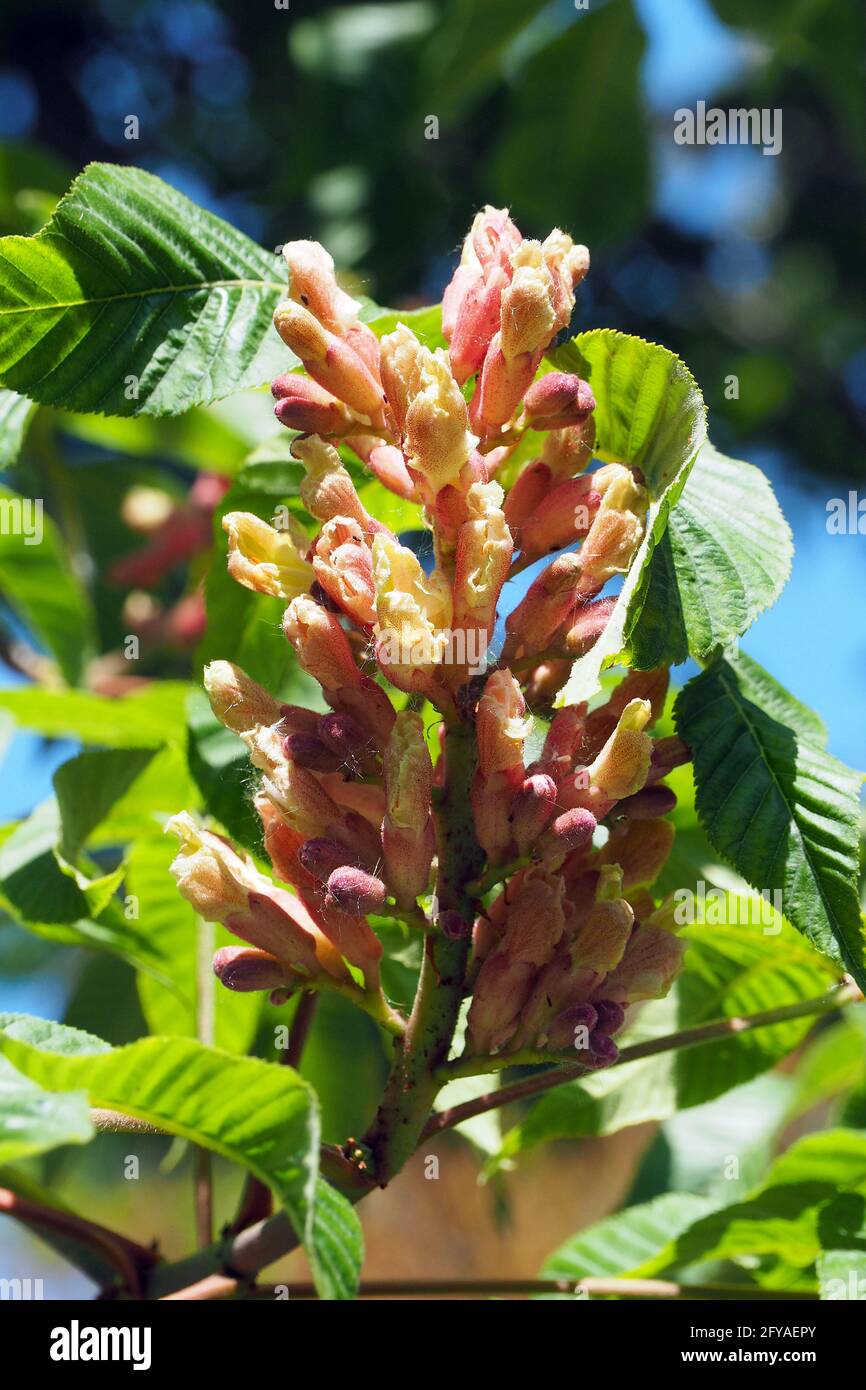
313 284
244 969
368 704
641 848
568 451
501 387
587 624
568 1028
545 681
356 892
558 400
320 644
471 302
667 754
386 461
610 1016
651 963
491 797
562 517
308 751
531 810
321 857
647 804
327 490
331 361
237 700
573 830
549 602
304 405
530 488
349 741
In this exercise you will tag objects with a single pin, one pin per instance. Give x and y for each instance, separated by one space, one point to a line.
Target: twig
833 999
126 1257
216 1287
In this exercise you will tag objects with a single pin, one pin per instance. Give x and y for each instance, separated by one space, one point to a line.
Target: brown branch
836 998
129 1260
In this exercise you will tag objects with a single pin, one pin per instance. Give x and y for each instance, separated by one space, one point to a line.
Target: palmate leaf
133 300
264 1117
732 969
775 804
650 414
724 558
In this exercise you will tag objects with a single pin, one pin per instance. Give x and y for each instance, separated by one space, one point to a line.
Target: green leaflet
724 558
615 1245
650 414
145 718
811 1201
37 580
15 415
262 1116
775 804
133 300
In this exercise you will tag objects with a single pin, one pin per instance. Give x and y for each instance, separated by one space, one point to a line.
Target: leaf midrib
193 288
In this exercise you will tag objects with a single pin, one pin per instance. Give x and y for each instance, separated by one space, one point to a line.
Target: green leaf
262 1116
775 805
37 581
812 1200
88 786
650 414
732 969
145 718
465 57
724 558
33 1120
15 416
336 1249
57 904
134 300
617 1244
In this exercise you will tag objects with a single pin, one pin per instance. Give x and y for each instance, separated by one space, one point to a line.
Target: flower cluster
566 933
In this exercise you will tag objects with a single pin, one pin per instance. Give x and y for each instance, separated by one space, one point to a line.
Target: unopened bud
570 831
244 969
641 848
558 400
356 892
562 517
331 361
327 489
647 804
588 623
568 451
667 754
320 643
569 1027
313 284
531 810
610 1016
237 700
304 405
308 751
321 857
